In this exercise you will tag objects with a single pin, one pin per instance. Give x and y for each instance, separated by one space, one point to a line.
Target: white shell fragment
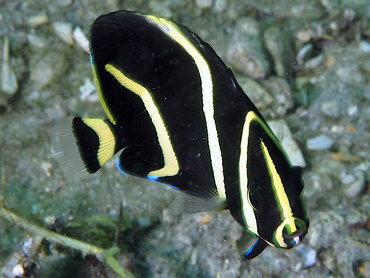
355 183
81 39
87 91
37 20
364 46
281 129
303 53
64 31
308 256
9 83
321 142
18 270
314 62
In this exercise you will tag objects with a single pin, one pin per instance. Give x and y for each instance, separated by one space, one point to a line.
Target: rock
246 52
81 39
88 91
308 254
331 108
364 46
63 30
37 20
355 184
278 44
321 142
303 53
44 67
257 94
9 82
282 95
314 62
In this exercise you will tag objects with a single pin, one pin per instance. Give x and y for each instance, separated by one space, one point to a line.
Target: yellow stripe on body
247 208
102 100
107 140
173 31
277 186
171 165
281 198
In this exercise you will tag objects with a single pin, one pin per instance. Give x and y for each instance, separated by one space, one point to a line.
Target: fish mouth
290 233
294 239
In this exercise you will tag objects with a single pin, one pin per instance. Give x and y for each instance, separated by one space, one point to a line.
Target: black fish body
180 118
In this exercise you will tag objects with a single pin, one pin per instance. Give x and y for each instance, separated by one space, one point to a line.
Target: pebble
81 39
46 66
203 4
352 110
303 53
355 184
331 108
304 35
278 50
37 20
314 62
9 82
144 221
63 30
321 142
365 46
18 271
308 254
87 91
282 96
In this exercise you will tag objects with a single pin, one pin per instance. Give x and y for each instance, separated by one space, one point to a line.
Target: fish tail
82 145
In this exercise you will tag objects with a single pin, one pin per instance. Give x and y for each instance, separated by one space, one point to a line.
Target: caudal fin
81 145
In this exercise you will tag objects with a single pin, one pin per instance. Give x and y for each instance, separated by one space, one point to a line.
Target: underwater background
306 66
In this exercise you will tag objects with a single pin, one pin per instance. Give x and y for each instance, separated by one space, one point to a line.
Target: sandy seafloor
306 62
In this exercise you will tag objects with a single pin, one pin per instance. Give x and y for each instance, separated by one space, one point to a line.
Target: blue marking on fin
256 249
152 178
120 168
155 179
174 187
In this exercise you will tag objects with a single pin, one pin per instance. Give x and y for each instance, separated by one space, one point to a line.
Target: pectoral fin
190 203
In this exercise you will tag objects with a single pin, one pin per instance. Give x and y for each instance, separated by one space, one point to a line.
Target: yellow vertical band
107 140
171 165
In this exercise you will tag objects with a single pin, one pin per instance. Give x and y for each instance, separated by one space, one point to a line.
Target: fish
176 115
